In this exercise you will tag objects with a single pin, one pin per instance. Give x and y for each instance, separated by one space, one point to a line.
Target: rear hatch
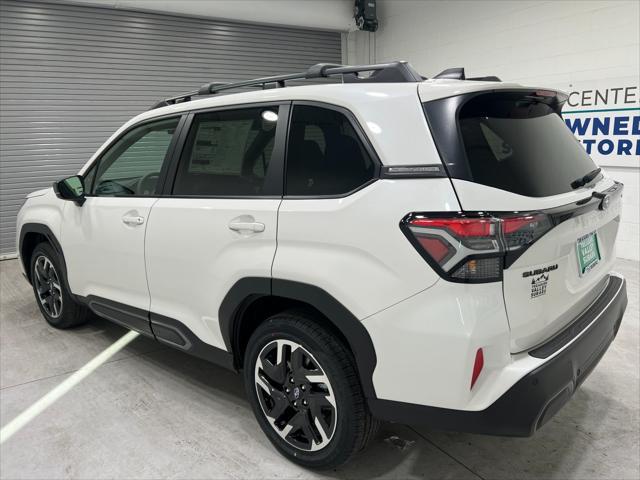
511 159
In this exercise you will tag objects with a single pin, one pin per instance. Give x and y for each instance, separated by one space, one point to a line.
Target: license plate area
588 251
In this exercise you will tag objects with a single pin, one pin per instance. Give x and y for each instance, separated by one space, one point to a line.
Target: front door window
132 165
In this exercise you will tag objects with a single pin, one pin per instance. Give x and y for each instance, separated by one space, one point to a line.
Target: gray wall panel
70 75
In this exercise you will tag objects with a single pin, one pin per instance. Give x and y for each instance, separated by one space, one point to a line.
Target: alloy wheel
48 288
295 395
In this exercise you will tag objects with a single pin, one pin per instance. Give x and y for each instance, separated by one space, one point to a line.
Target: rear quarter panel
353 247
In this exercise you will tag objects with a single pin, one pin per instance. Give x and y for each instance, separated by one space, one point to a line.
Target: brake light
437 248
462 227
510 225
471 247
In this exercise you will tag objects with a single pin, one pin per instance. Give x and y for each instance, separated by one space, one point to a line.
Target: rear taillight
522 230
472 247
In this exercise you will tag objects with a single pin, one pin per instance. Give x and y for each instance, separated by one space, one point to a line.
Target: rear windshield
515 141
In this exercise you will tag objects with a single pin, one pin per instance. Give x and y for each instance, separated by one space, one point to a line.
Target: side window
313 133
132 165
227 153
88 178
324 154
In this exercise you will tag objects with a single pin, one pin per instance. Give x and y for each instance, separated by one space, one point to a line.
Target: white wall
574 46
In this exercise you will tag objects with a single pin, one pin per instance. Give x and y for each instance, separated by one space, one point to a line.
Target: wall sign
606 120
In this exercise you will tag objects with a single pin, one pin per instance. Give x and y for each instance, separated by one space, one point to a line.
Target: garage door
70 75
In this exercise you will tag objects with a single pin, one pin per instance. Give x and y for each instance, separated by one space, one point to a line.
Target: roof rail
381 73
458 74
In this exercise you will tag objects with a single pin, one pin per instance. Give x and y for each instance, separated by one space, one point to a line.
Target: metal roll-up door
70 75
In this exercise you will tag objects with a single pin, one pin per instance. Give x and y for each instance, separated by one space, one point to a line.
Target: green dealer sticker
588 252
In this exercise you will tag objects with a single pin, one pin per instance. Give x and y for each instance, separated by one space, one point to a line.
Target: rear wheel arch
252 300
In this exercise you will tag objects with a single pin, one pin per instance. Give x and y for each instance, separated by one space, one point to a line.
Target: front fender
41 214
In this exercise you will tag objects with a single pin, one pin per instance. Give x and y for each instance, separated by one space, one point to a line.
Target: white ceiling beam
328 14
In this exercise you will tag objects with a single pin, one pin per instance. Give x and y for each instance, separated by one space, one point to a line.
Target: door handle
133 220
256 227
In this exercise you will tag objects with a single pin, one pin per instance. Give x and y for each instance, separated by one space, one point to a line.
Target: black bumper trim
535 398
576 327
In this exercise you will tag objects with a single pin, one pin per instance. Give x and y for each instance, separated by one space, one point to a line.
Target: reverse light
472 247
481 269
478 364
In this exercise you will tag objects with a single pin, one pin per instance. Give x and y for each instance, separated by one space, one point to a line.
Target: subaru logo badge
604 204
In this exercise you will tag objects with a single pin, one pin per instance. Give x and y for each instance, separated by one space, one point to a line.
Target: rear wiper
582 181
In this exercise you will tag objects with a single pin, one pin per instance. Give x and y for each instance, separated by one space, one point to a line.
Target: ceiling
332 15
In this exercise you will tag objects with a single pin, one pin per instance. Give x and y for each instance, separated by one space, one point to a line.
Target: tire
325 392
53 298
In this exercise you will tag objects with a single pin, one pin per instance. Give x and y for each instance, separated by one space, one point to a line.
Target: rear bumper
536 397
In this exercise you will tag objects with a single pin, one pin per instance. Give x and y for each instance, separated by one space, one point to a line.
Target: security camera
365 15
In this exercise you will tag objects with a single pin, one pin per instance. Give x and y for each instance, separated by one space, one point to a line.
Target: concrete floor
152 412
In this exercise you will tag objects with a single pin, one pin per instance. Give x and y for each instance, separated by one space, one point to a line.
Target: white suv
387 248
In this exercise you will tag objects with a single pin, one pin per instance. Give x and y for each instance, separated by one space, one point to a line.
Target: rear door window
514 141
325 156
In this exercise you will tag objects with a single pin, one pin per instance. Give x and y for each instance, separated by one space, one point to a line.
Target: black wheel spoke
277 374
298 366
279 409
319 400
302 422
297 359
317 409
281 403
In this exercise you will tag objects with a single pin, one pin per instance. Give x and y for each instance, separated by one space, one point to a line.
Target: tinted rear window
511 141
325 155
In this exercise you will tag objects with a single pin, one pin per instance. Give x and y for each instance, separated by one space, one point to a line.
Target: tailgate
555 278
511 158
565 270
562 273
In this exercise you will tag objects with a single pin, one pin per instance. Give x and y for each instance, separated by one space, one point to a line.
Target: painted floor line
59 391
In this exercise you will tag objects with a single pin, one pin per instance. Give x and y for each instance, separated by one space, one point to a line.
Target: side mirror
70 188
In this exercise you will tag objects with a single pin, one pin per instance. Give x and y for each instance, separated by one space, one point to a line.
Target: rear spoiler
554 98
458 74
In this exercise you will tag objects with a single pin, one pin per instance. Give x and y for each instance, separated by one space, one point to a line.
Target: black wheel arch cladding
26 245
248 290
